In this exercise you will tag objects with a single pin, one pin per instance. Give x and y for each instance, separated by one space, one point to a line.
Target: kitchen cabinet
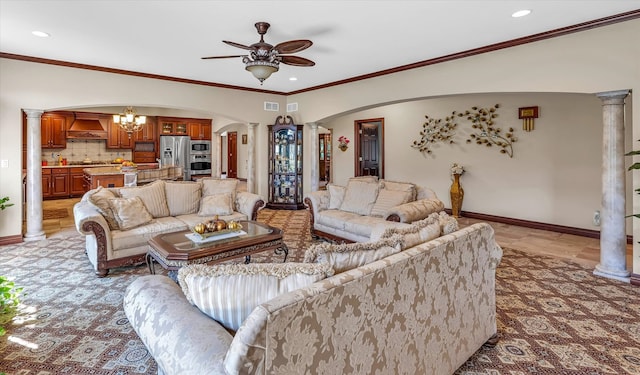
53 131
117 137
147 133
200 130
76 182
285 164
173 126
92 181
55 183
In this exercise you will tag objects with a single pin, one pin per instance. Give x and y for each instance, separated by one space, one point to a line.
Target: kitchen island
114 176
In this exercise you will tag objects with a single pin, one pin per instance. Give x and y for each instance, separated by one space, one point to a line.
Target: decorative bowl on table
231 227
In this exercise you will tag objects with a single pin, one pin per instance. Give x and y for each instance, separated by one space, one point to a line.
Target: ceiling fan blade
296 61
238 45
220 57
293 46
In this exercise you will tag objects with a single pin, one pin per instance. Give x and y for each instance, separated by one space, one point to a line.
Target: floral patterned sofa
118 222
349 213
422 310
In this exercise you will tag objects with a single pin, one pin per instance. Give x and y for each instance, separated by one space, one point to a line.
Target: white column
613 236
313 151
251 157
216 156
34 176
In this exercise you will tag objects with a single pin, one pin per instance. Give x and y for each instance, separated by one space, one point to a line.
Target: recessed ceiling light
41 34
521 13
293 79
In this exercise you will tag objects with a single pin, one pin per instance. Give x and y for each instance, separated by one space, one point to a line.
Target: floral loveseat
349 213
118 222
424 309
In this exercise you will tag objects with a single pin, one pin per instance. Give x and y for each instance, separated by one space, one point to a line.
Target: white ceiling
350 37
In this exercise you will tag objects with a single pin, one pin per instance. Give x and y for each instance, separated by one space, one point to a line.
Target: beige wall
597 60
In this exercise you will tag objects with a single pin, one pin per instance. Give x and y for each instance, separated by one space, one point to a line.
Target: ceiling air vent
270 106
292 107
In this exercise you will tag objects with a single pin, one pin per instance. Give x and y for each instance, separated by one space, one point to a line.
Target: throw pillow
348 256
216 204
228 293
417 233
359 196
100 198
183 197
152 195
212 186
401 186
130 212
388 199
448 224
336 196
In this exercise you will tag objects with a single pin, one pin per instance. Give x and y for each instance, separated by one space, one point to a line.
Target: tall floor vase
457 194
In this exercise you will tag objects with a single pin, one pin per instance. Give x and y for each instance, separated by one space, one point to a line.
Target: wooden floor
583 250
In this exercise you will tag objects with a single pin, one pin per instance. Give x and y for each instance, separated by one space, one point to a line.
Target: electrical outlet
596 218
4 163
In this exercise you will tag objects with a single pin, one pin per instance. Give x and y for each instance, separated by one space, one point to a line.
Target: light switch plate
4 163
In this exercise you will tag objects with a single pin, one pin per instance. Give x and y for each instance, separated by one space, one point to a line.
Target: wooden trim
622 17
490 48
635 279
535 225
131 73
10 240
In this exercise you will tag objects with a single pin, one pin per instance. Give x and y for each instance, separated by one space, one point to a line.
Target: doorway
369 147
324 157
232 157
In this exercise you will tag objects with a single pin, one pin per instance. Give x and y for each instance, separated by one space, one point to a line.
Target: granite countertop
93 165
144 175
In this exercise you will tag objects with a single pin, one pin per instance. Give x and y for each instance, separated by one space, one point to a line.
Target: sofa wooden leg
492 342
102 273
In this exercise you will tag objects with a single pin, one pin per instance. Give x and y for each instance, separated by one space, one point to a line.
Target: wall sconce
527 114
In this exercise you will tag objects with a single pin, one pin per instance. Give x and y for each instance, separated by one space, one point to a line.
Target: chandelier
129 121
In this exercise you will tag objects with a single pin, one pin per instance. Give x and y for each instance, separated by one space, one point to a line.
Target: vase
457 194
343 147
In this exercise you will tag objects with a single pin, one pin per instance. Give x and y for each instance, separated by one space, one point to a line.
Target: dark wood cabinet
145 142
55 183
173 126
285 164
106 180
118 138
200 130
76 182
53 128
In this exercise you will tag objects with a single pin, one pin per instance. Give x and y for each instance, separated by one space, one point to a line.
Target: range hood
87 126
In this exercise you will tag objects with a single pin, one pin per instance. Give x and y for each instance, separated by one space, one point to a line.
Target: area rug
55 213
554 317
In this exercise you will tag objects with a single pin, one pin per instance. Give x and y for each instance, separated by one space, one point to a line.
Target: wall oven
200 147
200 164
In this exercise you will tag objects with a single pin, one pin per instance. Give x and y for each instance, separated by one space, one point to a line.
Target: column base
30 237
621 275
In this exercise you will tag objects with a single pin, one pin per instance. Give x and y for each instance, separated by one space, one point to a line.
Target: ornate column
251 157
613 236
34 176
216 156
313 151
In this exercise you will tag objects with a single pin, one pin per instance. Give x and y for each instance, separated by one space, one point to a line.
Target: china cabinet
285 164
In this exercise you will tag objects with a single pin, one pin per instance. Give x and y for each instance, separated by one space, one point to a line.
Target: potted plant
4 204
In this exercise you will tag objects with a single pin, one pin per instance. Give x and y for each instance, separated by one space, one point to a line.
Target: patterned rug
554 317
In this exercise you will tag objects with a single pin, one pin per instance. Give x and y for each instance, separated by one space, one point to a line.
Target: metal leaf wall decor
485 132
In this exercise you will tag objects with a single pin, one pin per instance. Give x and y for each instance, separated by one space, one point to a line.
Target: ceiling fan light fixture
261 69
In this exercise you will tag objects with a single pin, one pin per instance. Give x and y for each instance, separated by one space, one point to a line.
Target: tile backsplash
81 149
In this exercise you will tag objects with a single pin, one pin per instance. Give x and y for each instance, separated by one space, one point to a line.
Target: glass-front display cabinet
285 166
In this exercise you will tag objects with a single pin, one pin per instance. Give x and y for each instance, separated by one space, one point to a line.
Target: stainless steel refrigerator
174 151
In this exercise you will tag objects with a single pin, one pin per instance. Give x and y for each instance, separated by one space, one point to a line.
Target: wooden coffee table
175 250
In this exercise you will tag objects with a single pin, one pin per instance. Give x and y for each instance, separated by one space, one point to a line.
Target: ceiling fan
264 59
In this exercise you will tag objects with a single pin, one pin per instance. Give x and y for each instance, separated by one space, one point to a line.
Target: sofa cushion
390 198
140 236
152 195
401 186
212 186
335 218
433 226
216 204
348 256
336 196
228 293
360 196
362 225
183 197
129 212
100 198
